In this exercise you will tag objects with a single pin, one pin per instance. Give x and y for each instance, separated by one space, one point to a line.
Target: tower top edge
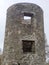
25 4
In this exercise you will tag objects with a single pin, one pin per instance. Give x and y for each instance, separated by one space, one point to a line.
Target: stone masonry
24 38
0 59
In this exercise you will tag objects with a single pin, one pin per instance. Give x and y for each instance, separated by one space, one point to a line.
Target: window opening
28 46
27 18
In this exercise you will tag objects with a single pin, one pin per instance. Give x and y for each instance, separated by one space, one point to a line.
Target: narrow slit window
28 46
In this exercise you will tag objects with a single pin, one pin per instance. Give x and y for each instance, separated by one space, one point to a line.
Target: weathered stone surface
0 59
16 31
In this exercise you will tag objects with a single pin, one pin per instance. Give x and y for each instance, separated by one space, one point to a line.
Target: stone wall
0 59
18 33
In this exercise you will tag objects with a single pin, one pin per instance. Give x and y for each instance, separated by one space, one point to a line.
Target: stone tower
24 36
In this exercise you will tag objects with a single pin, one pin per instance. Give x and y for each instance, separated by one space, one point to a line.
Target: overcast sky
4 4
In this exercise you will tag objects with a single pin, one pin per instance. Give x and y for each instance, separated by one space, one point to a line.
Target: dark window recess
16 64
27 18
28 46
28 14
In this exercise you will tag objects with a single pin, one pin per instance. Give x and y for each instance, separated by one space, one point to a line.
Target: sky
4 4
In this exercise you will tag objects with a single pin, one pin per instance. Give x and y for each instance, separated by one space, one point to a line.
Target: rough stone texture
0 59
17 30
